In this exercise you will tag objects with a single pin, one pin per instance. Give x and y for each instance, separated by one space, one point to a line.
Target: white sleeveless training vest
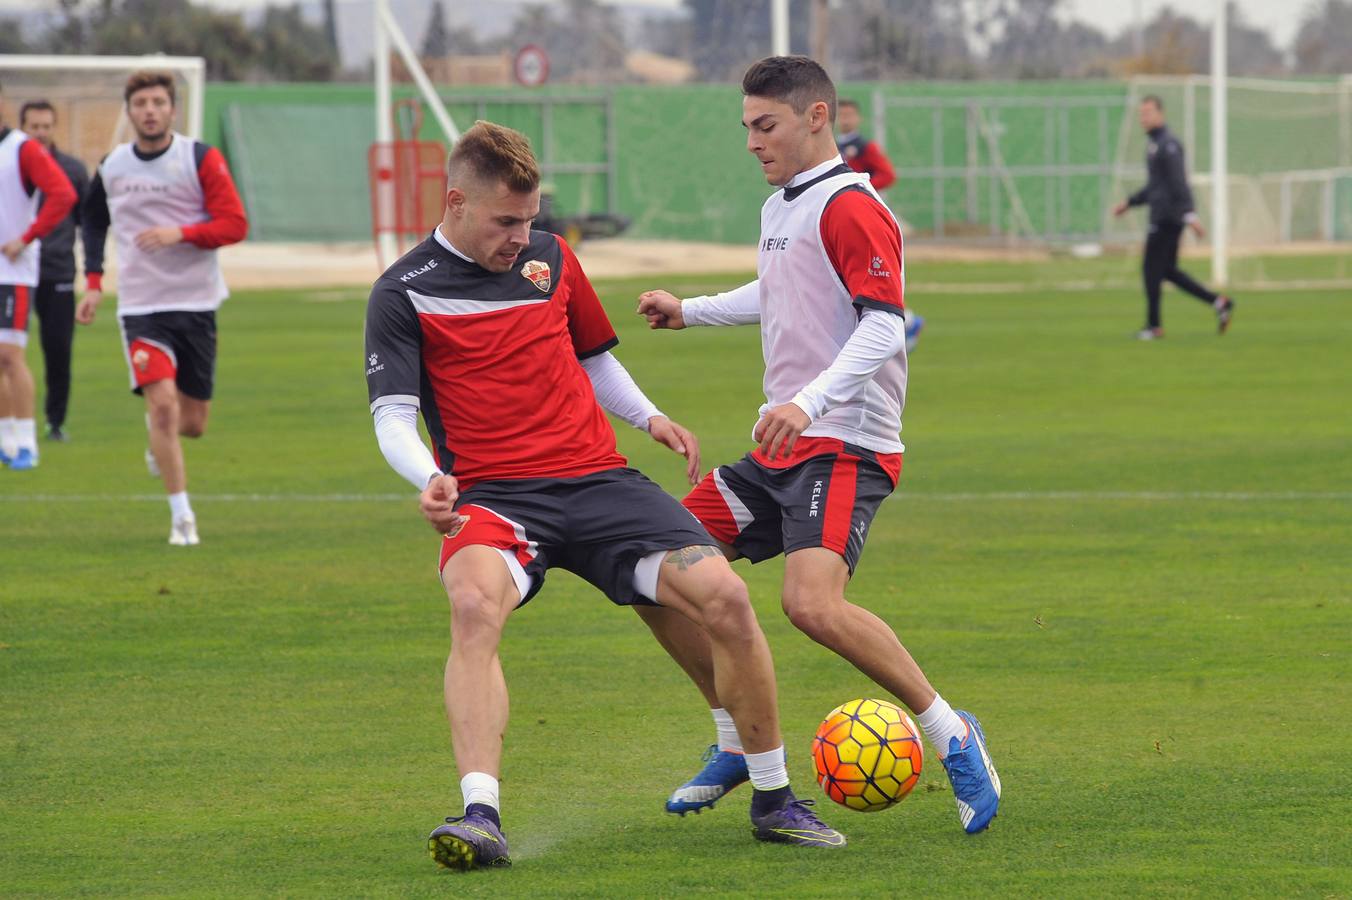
17 212
149 193
807 315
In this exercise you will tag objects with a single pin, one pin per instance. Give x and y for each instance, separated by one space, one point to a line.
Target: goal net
86 92
1290 169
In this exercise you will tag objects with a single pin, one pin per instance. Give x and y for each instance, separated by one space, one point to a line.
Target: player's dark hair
799 81
149 78
1154 100
842 103
493 153
35 106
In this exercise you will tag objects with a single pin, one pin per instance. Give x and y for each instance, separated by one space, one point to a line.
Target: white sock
941 724
767 769
26 435
179 507
9 438
478 787
728 738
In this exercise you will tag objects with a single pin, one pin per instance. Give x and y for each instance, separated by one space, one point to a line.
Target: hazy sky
1111 15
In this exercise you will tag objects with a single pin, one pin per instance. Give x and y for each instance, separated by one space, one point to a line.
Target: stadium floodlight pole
193 68
779 27
1220 170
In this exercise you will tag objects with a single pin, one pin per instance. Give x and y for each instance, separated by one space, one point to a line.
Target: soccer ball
867 754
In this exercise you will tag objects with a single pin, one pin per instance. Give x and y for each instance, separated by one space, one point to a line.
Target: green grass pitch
1132 561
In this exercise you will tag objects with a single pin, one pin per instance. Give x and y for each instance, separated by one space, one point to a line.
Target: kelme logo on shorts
140 359
538 273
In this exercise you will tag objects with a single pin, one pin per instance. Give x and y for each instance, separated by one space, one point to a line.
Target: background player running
494 332
829 300
171 202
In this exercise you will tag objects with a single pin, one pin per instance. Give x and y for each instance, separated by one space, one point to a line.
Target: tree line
589 41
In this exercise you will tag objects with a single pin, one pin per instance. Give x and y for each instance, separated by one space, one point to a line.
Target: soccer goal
86 92
1288 179
400 174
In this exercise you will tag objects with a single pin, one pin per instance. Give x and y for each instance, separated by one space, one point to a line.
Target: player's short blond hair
148 78
494 154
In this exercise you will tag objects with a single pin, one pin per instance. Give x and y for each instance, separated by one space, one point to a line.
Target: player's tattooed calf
687 556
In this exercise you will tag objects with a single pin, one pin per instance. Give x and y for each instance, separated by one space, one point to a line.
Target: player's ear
818 116
455 201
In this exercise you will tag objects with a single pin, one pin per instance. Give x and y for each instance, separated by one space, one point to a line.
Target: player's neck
820 159
154 145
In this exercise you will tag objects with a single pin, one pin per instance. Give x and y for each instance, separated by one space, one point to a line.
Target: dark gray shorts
596 526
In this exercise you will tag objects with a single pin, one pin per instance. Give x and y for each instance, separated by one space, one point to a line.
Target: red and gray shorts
826 495
175 345
596 526
15 302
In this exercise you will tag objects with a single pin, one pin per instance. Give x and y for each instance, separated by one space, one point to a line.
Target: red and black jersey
492 360
866 156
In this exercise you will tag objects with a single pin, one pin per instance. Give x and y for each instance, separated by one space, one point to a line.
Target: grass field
1133 561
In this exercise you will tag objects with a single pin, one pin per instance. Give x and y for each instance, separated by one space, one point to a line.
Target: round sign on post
531 66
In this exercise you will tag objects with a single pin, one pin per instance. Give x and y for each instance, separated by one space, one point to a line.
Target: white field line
920 289
956 497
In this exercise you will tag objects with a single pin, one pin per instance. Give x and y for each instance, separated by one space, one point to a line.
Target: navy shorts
826 495
596 526
177 345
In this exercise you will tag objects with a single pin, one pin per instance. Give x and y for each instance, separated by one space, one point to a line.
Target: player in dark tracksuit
1170 201
54 299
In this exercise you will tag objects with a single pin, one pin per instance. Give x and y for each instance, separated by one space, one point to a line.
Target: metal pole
821 32
1220 170
973 161
387 247
938 124
779 27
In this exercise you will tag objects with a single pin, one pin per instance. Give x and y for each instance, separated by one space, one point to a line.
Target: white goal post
388 34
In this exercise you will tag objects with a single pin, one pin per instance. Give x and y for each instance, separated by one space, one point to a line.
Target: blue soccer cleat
468 842
795 823
975 784
26 459
5 458
723 771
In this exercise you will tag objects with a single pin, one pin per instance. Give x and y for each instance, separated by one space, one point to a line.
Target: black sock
763 802
488 812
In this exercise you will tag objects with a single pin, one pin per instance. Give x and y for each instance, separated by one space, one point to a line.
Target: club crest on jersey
537 273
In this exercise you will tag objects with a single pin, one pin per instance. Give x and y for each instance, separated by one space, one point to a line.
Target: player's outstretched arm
740 306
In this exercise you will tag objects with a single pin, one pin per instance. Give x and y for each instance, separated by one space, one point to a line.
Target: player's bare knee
192 428
726 608
807 612
473 610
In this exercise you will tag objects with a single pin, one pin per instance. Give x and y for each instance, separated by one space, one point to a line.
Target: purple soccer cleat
468 842
795 823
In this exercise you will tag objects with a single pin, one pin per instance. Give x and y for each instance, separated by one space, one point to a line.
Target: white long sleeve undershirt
616 391
396 424
397 434
878 337
739 306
